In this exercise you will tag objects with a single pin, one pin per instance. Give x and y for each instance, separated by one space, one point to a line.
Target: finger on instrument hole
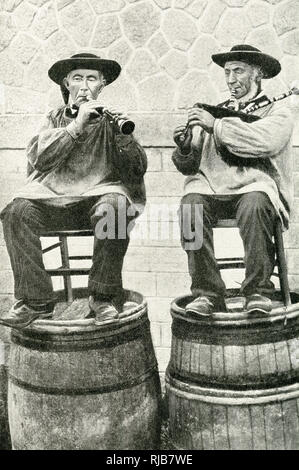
194 119
194 123
113 110
180 132
92 105
195 112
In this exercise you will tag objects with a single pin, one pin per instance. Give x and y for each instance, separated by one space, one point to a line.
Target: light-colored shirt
242 157
68 165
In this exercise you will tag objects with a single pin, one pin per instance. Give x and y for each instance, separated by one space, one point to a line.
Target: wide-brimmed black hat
251 55
84 60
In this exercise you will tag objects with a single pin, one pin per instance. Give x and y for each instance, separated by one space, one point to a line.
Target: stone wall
164 47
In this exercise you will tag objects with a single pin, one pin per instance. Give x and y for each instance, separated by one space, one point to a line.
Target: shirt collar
243 104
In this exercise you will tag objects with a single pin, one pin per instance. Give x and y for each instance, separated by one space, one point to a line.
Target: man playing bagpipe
237 169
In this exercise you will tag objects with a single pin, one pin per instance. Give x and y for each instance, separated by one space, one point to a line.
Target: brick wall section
164 47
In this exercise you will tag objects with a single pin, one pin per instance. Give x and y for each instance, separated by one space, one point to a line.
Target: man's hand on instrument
116 113
183 138
200 117
87 110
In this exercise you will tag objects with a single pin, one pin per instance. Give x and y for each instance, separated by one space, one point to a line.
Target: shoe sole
198 314
21 325
258 310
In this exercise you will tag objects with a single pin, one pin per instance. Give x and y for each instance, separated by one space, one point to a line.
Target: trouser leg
22 222
256 216
108 215
202 264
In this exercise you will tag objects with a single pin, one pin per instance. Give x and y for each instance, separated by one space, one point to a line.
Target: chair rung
70 271
80 257
231 265
226 223
68 233
237 260
51 247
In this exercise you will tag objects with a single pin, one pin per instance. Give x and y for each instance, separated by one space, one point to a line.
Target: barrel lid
74 317
236 316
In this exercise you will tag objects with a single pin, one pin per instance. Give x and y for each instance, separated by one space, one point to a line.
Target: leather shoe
104 311
22 314
204 306
258 303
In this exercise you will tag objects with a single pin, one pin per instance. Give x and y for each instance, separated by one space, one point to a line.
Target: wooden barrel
232 379
5 443
206 418
74 385
234 350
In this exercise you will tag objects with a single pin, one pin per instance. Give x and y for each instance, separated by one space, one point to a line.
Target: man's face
84 84
241 78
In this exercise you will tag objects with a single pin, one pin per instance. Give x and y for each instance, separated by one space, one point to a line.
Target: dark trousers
24 220
255 217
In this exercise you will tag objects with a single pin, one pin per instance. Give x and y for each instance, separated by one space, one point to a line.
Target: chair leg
282 265
65 263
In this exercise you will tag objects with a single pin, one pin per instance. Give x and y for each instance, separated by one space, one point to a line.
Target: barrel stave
274 425
4 428
282 357
221 438
234 361
218 363
239 427
205 415
291 423
267 360
258 427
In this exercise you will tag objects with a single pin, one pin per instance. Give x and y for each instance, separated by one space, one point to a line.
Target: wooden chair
224 263
237 262
65 270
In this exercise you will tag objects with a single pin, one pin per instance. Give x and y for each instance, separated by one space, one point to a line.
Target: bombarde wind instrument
220 112
125 126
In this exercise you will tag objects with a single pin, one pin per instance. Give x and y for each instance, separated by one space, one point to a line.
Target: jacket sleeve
264 138
131 160
52 145
188 164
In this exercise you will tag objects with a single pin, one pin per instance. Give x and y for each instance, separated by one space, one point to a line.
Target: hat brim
270 66
62 68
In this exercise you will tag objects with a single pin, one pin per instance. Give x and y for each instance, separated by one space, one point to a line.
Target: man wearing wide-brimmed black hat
237 169
82 170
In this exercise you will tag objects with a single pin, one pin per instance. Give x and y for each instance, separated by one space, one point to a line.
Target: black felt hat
84 60
251 55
